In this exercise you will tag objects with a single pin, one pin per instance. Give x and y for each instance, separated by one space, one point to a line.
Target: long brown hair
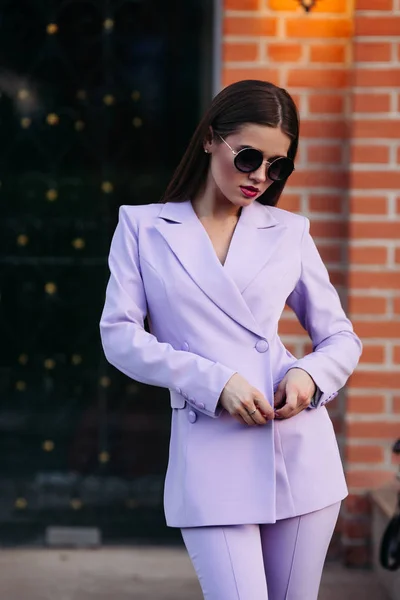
247 101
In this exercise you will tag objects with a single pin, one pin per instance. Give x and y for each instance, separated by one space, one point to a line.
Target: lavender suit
209 321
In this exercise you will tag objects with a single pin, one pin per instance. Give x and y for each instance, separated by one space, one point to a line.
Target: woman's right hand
239 398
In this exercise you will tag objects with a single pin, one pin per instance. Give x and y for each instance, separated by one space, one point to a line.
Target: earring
206 151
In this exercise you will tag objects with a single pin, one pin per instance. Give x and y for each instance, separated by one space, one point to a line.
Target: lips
250 188
249 191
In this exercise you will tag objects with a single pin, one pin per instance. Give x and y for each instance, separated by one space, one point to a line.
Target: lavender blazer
208 321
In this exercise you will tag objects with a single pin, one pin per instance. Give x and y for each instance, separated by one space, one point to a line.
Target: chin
243 201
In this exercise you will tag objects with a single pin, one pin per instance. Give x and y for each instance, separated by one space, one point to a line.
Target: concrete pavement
135 573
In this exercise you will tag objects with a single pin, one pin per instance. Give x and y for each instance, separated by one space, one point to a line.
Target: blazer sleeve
137 353
336 348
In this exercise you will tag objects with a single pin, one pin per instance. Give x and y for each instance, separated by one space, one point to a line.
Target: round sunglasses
248 160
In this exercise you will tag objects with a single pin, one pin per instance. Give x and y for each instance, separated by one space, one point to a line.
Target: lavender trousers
277 561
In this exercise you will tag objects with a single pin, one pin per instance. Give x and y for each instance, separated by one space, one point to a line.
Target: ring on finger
252 412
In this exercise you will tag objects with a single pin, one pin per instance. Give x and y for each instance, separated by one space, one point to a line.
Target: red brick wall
341 62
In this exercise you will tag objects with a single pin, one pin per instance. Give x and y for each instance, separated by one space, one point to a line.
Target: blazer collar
256 238
254 215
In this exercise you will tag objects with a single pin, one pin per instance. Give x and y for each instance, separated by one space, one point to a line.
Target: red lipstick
249 191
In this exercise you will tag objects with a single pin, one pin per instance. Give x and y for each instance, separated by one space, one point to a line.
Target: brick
379 128
376 25
320 178
257 26
290 327
338 278
398 205
241 4
371 103
396 358
397 255
369 479
380 329
328 6
284 52
366 305
365 404
335 410
319 28
372 51
290 202
291 348
326 154
232 75
329 203
369 255
337 423
357 556
328 229
398 155
296 98
283 5
330 253
240 52
377 77
307 348
368 205
387 180
332 53
326 103
376 379
318 78
357 528
357 504
375 230
396 404
396 306
383 280
363 154
395 459
373 4
324 129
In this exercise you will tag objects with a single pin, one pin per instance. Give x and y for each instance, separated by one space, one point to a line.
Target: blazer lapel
188 240
257 237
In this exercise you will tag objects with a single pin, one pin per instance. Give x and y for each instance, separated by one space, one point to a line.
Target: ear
208 141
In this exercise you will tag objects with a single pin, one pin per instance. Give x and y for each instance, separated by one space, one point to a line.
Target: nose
260 176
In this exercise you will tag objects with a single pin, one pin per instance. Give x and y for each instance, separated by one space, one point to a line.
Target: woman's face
238 188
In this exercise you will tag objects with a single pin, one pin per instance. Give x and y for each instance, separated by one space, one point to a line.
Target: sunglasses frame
263 161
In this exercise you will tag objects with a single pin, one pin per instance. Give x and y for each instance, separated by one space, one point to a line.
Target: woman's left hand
294 393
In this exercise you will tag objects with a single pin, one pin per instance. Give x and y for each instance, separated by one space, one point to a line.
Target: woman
254 478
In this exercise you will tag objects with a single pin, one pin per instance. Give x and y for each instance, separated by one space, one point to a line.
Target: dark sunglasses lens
248 160
280 169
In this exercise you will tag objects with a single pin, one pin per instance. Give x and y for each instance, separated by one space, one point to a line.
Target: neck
209 203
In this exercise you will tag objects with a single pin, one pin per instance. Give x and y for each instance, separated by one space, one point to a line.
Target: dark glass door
98 101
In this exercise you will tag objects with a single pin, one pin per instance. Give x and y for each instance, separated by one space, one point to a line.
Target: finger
290 408
257 417
245 416
264 408
278 397
240 420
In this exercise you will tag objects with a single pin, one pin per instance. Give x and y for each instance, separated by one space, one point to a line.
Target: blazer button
178 390
185 346
201 405
192 416
262 346
184 394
